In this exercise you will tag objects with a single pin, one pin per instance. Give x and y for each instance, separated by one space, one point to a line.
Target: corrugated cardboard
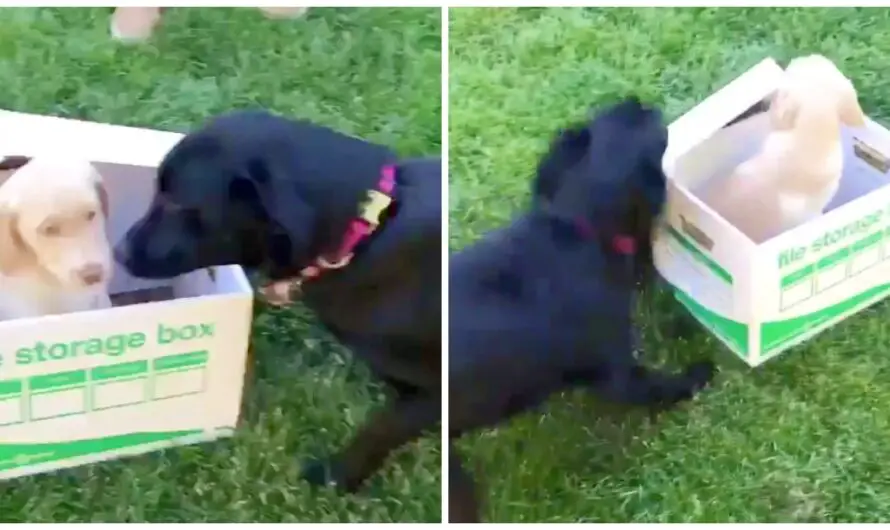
97 385
761 300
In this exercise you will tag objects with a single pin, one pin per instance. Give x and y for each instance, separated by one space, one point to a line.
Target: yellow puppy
54 253
798 168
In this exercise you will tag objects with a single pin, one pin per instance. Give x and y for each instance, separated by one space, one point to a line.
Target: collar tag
625 245
373 207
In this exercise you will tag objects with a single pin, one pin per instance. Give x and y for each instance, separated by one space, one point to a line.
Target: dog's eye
50 230
193 221
90 215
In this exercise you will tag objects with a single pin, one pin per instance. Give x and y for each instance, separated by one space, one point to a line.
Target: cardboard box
97 385
761 300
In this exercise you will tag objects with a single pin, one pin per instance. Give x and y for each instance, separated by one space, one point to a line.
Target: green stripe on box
20 455
834 258
798 275
57 380
11 387
733 333
181 360
867 241
117 371
700 256
774 335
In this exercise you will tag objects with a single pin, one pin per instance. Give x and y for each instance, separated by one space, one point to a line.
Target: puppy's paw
324 474
701 373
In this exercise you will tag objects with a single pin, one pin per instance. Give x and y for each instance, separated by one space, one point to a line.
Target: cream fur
52 226
798 169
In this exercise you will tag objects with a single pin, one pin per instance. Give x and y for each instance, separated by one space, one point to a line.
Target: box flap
719 109
33 135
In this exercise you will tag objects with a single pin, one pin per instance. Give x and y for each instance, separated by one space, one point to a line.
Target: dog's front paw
701 373
680 325
324 473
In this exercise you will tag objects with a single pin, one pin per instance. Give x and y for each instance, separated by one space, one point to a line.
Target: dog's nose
91 273
120 253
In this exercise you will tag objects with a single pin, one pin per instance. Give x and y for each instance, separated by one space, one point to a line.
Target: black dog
285 198
546 303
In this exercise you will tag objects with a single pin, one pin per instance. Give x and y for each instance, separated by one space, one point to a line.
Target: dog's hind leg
401 422
638 385
463 503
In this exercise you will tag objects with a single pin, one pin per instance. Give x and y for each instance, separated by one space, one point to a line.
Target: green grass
369 72
805 437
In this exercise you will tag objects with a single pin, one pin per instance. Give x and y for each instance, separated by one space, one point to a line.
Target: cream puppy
798 168
54 253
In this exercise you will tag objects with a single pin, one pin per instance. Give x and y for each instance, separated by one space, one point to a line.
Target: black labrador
546 303
346 222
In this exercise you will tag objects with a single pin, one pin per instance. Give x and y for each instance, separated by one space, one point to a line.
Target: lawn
806 437
370 72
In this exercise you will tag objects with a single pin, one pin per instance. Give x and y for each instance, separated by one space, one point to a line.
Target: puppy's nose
91 273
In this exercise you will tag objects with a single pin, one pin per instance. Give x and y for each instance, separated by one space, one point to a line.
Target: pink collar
622 244
376 202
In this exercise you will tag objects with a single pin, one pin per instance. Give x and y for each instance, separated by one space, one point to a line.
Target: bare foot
134 24
284 12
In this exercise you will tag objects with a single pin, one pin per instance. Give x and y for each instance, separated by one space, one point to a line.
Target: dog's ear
783 110
14 252
651 186
850 112
654 181
282 207
243 190
567 148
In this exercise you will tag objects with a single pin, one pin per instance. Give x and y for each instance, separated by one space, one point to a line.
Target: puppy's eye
90 215
50 230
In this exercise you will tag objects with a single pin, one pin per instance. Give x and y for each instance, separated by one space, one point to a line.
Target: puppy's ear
783 110
10 164
103 198
13 162
101 192
14 252
850 112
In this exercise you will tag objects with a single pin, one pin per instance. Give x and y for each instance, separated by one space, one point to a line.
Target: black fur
272 194
546 303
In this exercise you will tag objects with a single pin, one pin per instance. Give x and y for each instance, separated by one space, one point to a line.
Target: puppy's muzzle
91 274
